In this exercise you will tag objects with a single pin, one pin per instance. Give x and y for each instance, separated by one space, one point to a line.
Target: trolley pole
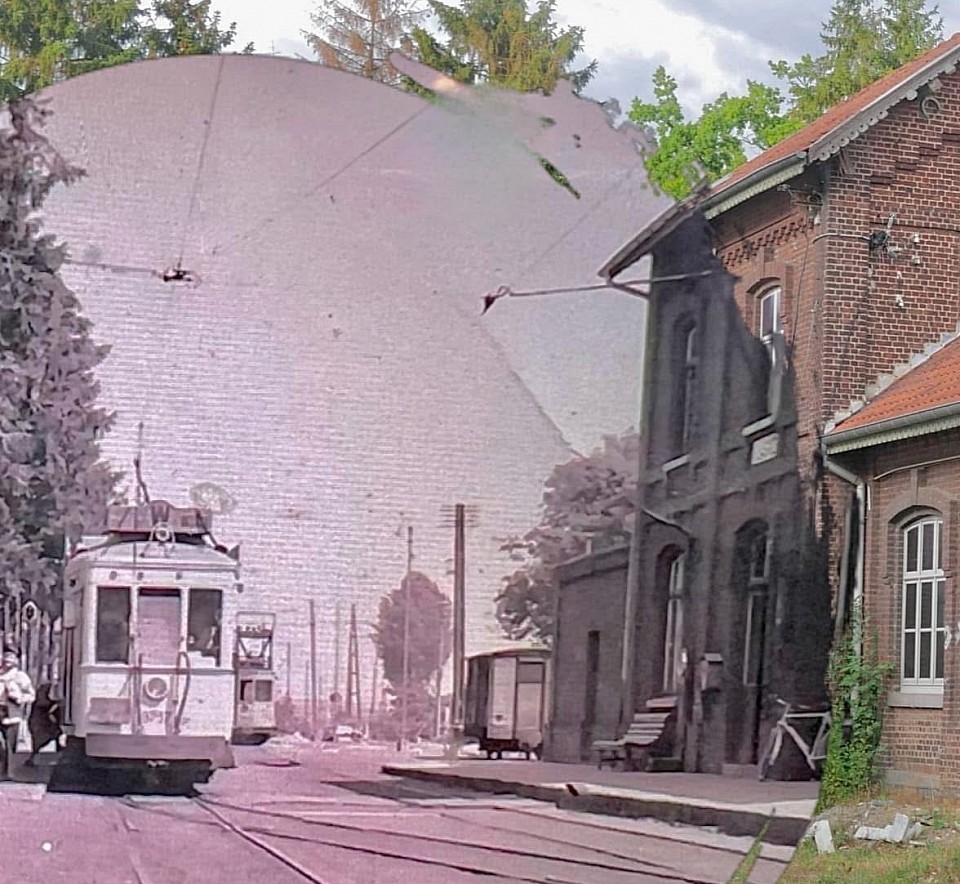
313 668
406 641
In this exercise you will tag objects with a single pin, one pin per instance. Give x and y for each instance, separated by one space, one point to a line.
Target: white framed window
673 637
769 317
923 629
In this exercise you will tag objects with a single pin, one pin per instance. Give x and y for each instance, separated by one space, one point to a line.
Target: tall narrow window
770 318
673 636
685 368
924 629
689 387
758 578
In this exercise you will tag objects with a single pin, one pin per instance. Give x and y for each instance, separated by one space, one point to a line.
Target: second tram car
256 718
146 670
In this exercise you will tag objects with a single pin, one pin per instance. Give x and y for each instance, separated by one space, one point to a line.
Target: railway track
270 831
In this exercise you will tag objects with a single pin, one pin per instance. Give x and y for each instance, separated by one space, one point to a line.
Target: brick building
902 446
723 551
843 241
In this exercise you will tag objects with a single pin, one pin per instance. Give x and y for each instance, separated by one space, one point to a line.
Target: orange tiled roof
836 117
933 383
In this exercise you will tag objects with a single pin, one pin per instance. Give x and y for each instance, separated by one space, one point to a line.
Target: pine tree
502 43
55 481
359 35
186 27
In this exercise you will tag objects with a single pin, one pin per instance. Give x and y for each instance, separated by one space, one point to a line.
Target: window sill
676 463
916 699
759 426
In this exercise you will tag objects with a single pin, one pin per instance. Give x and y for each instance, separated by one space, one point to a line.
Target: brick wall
592 593
921 745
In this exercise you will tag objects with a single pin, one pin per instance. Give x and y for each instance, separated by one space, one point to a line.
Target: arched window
769 317
686 344
923 624
673 634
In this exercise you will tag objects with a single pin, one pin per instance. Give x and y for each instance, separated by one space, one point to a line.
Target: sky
709 46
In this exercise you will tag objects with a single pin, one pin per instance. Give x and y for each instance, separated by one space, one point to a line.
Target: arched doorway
749 596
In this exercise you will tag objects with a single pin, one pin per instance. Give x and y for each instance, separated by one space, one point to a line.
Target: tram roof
107 549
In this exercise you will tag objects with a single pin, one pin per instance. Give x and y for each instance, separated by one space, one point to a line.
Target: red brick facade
852 312
911 479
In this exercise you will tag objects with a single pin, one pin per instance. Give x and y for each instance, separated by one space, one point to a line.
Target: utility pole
289 668
313 668
406 640
459 632
336 649
373 687
461 515
353 667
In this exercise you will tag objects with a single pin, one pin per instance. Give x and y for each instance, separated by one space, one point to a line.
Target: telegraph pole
289 668
353 667
459 632
406 639
336 649
313 668
461 515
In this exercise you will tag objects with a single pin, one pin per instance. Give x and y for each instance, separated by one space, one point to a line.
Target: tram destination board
141 519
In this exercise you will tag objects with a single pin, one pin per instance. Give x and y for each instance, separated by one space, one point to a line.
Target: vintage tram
146 671
255 720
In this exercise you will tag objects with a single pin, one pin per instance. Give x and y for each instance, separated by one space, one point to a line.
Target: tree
714 143
359 35
55 481
46 41
862 41
184 27
589 498
502 43
429 645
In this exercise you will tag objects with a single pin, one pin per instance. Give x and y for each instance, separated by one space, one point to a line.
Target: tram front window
203 623
113 624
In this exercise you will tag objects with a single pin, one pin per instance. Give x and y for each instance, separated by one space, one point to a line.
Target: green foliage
47 41
862 41
429 645
430 635
50 425
586 498
712 145
359 35
856 681
502 43
185 27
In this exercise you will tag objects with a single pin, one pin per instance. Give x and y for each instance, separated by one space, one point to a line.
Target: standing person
44 722
16 691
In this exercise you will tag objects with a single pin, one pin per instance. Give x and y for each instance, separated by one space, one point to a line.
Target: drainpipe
861 493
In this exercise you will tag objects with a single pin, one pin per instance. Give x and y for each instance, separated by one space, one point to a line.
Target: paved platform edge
749 820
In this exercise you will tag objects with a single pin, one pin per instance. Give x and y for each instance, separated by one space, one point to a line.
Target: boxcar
506 701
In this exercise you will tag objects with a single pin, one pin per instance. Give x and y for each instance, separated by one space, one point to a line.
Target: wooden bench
645 731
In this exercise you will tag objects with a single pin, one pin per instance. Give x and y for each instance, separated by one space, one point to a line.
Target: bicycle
814 754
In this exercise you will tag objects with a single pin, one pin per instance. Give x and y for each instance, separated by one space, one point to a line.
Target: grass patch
934 857
743 871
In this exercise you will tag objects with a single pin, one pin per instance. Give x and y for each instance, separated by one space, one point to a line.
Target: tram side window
263 693
203 623
113 624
